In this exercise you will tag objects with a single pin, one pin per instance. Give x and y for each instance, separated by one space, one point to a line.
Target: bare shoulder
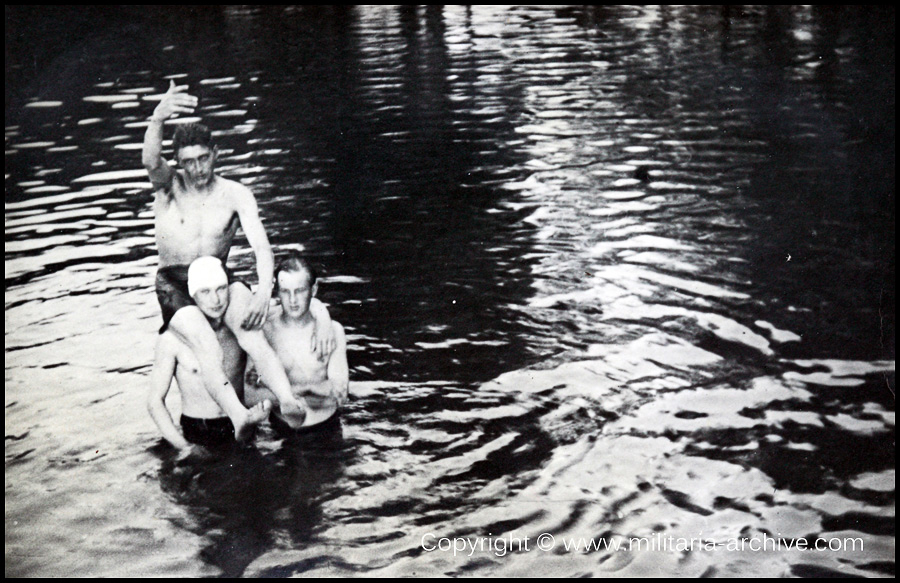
167 345
272 323
273 318
234 191
232 186
164 193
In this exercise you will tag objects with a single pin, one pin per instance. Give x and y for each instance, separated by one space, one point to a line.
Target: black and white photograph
449 291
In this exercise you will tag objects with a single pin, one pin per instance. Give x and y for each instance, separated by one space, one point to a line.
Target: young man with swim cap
203 422
197 213
322 384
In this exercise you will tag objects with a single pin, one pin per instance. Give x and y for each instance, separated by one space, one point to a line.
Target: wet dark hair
292 262
191 134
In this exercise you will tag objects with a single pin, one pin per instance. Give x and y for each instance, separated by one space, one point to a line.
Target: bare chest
195 216
190 226
233 362
294 349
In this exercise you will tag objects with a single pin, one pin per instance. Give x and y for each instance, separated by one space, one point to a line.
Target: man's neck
190 189
299 322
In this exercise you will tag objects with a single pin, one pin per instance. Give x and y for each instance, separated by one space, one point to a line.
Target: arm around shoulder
338 369
324 341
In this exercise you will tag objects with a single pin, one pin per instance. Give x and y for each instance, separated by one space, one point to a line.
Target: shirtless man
202 420
197 214
322 384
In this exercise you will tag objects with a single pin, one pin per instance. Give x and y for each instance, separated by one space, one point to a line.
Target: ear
315 289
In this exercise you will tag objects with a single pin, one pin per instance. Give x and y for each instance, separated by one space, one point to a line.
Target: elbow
153 404
150 164
342 390
148 159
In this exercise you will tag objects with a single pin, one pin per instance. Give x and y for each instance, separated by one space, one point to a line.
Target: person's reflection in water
244 500
311 462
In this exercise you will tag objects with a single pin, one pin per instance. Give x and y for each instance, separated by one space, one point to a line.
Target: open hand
323 341
257 310
175 101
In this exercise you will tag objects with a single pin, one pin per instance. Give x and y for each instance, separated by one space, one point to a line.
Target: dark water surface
607 272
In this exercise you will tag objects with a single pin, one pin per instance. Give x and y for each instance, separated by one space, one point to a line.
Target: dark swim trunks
172 290
217 432
330 425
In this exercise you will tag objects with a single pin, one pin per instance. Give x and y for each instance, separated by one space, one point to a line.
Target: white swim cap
205 273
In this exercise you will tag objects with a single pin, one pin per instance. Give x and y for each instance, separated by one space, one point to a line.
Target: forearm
324 388
152 151
265 268
163 420
174 102
328 389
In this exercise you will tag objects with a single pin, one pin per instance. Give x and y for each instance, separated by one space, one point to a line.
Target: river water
607 273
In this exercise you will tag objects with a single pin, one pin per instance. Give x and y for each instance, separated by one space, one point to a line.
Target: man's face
198 163
295 292
213 299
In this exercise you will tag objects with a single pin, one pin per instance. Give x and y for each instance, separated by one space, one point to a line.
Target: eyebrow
206 155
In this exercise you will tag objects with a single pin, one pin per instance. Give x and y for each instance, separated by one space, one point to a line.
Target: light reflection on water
557 238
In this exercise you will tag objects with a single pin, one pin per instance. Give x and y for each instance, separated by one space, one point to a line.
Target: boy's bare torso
190 224
293 345
195 399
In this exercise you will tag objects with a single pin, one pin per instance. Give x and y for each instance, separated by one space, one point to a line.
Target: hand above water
257 310
323 340
175 101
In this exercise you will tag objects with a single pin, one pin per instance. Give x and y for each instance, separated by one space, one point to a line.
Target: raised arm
248 213
161 380
174 101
